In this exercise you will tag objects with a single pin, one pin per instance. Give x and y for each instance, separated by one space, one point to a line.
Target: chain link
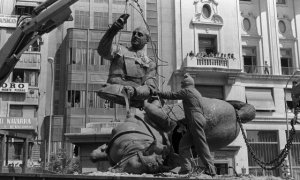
275 163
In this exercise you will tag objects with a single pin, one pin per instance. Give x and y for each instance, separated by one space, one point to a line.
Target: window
266 146
96 59
24 10
249 56
25 76
295 156
82 19
211 91
15 149
288 99
120 2
246 24
286 62
22 111
260 98
76 98
206 11
101 20
78 53
207 44
282 27
16 111
96 102
280 2
101 1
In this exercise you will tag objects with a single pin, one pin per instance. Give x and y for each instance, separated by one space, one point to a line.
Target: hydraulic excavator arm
44 19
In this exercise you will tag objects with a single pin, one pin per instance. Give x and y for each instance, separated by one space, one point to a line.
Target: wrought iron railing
288 70
250 69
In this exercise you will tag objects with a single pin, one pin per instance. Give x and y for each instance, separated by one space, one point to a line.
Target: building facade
244 50
23 96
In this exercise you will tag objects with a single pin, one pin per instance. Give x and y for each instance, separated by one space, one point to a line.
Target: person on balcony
266 68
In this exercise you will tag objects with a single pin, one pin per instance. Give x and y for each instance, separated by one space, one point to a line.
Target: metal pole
286 120
86 68
51 61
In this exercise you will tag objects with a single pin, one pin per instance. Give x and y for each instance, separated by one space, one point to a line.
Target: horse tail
245 111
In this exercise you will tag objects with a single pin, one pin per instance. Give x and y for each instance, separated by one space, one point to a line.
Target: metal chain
275 163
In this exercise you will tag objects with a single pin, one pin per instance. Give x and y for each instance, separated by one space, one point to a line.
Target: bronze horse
142 143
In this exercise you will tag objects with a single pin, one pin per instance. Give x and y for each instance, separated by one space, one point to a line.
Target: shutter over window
260 98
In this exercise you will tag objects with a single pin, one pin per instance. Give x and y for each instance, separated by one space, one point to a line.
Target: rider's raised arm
105 47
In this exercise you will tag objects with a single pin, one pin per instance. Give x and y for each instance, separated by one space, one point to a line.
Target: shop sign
14 87
8 21
18 123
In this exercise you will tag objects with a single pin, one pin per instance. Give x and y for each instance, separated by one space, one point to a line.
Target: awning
261 99
27 3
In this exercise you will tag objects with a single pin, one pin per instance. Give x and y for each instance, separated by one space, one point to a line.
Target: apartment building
23 96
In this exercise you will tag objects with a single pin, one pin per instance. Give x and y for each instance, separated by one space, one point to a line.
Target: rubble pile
185 176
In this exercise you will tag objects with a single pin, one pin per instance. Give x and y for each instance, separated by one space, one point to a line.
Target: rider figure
129 65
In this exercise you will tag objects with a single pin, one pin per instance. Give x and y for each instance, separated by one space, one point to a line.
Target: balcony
288 70
206 62
32 96
30 60
267 70
32 3
250 69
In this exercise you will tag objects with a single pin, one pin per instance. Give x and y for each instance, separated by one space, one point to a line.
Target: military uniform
129 65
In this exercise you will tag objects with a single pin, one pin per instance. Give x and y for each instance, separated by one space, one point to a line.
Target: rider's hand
122 21
129 91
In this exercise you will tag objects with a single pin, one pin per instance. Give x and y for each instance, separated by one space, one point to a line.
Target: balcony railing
267 70
288 70
208 62
30 60
250 69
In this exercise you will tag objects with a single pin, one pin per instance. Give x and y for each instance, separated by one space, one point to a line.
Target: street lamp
51 61
286 116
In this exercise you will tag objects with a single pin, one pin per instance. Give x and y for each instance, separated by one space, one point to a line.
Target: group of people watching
214 55
131 68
